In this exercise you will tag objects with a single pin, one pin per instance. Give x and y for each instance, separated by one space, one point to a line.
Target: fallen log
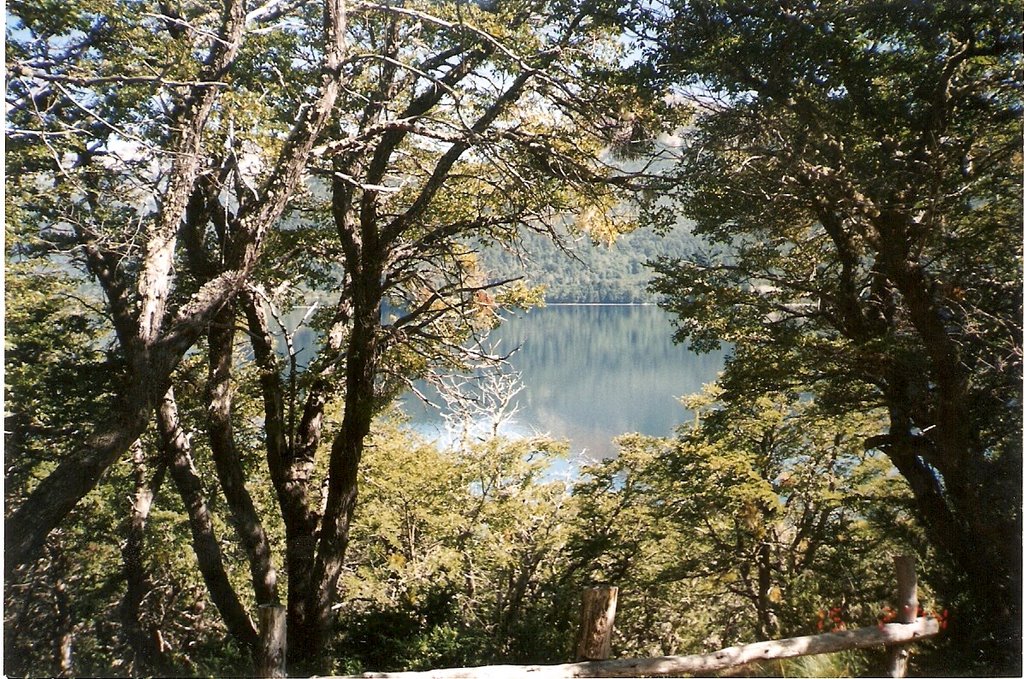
674 665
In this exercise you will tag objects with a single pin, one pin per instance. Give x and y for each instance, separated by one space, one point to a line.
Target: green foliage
78 591
842 664
464 133
57 374
856 176
455 124
450 551
755 520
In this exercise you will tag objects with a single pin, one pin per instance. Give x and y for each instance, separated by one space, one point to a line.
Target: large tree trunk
60 492
931 440
204 539
146 652
945 464
984 557
25 530
290 458
229 465
362 363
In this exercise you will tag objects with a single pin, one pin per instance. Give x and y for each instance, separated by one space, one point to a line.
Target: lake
592 372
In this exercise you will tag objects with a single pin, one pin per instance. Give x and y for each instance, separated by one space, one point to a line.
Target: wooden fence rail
673 665
598 616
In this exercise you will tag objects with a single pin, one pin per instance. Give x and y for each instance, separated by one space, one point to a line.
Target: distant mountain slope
599 274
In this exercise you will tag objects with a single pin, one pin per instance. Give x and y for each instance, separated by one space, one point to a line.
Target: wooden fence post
597 622
906 612
272 650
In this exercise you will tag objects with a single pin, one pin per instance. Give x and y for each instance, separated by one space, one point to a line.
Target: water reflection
593 372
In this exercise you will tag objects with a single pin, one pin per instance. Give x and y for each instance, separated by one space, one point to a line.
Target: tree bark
597 623
346 453
25 530
146 654
204 539
931 439
272 653
155 279
229 465
361 367
290 458
942 463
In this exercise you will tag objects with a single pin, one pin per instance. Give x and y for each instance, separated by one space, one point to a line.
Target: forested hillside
591 272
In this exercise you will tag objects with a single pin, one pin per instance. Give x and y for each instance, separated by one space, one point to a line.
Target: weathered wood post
597 622
906 611
272 651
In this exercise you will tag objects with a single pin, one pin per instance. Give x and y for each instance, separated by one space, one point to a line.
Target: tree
450 550
76 611
457 134
457 126
112 111
812 518
857 168
123 138
755 518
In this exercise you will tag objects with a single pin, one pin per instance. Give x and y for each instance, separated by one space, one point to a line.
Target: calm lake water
591 373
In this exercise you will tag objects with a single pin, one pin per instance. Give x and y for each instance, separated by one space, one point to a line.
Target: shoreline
547 304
